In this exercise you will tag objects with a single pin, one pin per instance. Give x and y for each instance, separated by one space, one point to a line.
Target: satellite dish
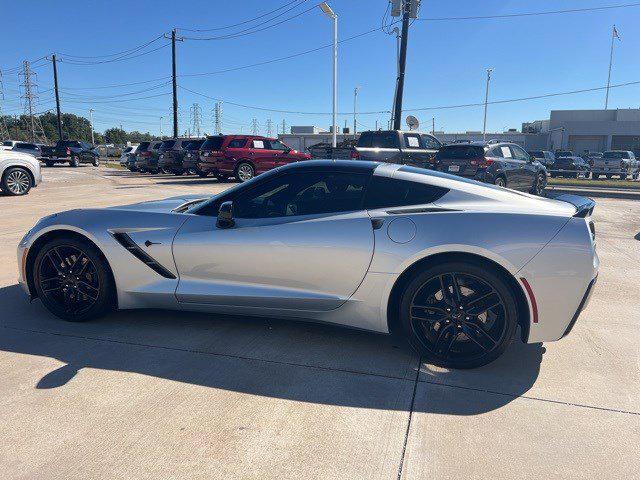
412 122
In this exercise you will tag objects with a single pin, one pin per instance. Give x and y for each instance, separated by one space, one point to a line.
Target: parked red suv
244 156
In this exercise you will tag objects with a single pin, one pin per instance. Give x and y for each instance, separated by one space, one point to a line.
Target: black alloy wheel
499 181
459 315
72 280
540 184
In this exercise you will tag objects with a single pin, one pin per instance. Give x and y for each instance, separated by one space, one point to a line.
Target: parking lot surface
151 394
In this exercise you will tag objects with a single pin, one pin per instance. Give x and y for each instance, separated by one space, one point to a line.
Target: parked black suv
172 154
73 151
192 156
396 146
146 158
503 164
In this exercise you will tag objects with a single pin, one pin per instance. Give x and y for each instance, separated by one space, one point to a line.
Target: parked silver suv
616 162
19 172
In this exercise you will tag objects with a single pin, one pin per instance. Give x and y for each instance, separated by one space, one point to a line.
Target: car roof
362 166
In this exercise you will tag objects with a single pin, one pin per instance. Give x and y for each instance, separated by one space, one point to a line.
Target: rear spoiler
584 206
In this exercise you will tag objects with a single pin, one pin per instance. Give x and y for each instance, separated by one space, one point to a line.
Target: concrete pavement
152 394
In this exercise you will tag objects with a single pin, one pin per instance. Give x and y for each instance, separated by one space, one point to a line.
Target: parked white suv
19 172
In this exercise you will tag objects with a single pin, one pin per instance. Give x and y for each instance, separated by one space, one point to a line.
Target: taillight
355 154
484 162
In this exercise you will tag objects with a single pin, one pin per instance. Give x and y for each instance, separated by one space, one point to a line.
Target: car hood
8 154
164 205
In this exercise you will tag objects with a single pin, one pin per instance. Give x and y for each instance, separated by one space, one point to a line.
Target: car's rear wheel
16 181
500 182
540 184
74 162
72 280
96 162
245 171
459 315
202 174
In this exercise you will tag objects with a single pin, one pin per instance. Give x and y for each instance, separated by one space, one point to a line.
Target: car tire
49 164
74 162
222 178
96 162
472 334
202 174
500 182
178 172
73 292
16 181
623 177
244 172
540 184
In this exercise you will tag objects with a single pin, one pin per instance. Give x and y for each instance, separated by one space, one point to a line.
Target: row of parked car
221 156
565 163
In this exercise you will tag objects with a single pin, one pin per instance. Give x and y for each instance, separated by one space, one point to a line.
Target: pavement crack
406 433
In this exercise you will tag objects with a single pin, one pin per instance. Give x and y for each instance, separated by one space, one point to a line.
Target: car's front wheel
540 184
459 315
500 182
73 280
16 181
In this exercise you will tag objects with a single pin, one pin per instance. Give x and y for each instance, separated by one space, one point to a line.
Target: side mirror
225 215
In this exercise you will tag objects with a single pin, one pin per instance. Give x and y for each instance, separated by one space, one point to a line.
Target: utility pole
409 11
255 128
396 31
486 102
269 127
174 80
161 117
55 86
217 118
614 35
355 105
91 123
433 125
376 124
196 118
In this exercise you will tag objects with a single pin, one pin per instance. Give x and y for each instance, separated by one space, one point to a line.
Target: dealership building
576 130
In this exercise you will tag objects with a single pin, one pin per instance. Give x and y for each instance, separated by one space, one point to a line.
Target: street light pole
355 104
161 126
486 101
327 10
91 122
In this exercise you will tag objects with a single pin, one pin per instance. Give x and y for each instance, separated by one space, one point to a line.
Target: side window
506 152
277 145
365 140
518 153
237 143
385 140
430 143
495 153
384 192
412 140
256 143
302 194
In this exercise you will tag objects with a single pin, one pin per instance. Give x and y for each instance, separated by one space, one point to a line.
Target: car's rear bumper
581 307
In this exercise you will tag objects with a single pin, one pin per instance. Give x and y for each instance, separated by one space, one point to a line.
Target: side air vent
126 241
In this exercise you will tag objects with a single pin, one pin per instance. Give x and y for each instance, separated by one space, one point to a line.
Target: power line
131 50
118 101
288 57
252 30
100 97
299 2
119 59
117 85
531 14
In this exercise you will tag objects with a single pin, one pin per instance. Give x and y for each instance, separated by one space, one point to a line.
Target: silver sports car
453 265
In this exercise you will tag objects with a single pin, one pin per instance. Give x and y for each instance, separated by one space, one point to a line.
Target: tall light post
91 122
355 108
327 10
161 117
614 35
486 101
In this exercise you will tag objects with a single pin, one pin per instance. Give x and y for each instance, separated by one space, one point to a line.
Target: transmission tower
196 119
30 96
217 118
269 127
4 131
255 127
284 126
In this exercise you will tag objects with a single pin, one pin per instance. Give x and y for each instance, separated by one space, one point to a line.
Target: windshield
143 146
615 155
167 145
194 145
212 143
460 152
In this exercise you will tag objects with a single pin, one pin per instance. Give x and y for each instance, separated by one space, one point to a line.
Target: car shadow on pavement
304 362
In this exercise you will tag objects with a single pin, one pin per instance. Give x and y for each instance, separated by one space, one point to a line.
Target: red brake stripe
532 298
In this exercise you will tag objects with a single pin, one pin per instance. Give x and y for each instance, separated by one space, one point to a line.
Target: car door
282 153
526 168
300 242
413 151
261 155
510 167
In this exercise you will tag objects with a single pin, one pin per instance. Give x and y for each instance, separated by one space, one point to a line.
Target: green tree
116 136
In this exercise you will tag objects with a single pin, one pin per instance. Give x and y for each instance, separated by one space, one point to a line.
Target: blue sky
446 60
